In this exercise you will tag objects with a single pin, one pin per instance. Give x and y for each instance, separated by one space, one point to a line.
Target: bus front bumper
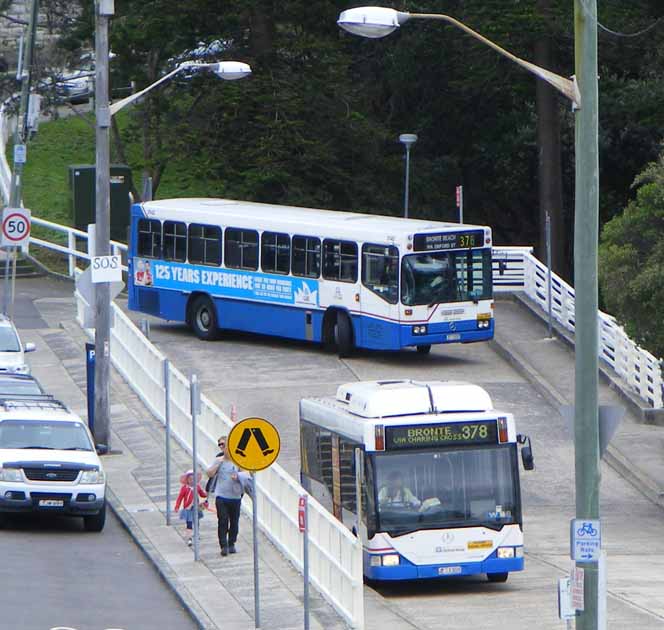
408 571
446 332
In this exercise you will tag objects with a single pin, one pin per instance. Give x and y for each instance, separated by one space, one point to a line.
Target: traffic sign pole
303 519
254 523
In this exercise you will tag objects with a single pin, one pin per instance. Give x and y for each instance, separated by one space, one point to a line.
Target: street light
376 22
408 140
227 70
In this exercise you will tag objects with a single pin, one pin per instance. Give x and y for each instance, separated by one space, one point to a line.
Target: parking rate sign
15 227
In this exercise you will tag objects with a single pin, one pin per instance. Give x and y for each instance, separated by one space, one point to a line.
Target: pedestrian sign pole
253 444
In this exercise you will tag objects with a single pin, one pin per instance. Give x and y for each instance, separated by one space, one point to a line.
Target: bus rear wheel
202 318
343 335
497 577
424 348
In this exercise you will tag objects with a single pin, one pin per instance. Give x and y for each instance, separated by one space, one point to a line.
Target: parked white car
48 462
12 352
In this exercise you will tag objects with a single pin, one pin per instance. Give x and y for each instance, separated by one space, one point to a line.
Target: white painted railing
509 268
6 129
335 555
640 370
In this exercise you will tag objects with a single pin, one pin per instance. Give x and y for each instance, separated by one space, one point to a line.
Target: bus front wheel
497 577
203 318
343 335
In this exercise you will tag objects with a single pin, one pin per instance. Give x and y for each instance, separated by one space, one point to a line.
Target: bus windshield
449 276
437 489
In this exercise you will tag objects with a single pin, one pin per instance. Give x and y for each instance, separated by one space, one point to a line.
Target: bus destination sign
450 434
448 240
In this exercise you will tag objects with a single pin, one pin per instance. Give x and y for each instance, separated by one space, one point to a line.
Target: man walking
228 491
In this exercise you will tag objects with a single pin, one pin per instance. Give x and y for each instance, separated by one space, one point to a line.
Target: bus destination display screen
452 434
448 240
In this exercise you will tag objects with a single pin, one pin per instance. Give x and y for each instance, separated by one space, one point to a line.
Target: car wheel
95 522
202 318
497 577
424 348
343 335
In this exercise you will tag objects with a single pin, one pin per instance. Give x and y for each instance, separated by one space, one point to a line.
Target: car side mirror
527 458
102 449
29 347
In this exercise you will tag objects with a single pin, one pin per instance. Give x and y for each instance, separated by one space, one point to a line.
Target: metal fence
335 553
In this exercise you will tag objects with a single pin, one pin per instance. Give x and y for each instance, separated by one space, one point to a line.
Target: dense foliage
632 262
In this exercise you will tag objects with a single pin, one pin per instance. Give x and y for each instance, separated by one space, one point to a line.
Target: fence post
71 245
195 400
167 421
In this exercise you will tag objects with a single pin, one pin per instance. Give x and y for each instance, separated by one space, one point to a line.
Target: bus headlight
419 330
505 552
391 560
518 552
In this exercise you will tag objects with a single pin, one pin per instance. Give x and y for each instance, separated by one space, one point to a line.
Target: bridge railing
638 368
335 553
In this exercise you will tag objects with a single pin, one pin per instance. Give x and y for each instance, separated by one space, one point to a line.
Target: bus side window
306 256
205 244
241 249
149 238
175 241
380 271
275 252
340 260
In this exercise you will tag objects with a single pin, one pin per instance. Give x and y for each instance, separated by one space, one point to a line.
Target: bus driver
396 494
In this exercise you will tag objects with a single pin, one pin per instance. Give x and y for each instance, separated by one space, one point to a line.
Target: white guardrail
335 554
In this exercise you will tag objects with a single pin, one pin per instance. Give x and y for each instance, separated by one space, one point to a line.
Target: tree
632 260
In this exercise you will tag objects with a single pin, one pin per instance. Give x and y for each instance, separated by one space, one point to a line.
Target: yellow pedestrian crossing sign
253 444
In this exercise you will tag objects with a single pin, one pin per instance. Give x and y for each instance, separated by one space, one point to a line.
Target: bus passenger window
275 252
340 260
380 264
175 241
149 238
306 256
241 249
205 244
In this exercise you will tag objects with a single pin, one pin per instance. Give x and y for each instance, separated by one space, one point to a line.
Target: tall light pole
228 70
102 246
408 140
583 92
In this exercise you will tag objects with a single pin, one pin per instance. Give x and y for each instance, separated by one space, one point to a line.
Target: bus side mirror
526 452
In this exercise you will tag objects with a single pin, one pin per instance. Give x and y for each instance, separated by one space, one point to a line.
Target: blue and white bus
340 278
433 468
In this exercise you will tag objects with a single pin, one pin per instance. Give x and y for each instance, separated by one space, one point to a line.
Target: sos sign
106 269
15 227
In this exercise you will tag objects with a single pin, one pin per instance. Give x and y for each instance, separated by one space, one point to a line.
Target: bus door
379 296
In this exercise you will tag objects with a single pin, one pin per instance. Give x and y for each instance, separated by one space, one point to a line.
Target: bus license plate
453 337
51 503
449 570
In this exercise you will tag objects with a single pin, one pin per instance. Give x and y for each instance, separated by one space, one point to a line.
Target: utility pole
586 232
21 135
104 9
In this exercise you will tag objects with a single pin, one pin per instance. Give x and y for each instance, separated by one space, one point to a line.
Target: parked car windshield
19 387
42 434
9 340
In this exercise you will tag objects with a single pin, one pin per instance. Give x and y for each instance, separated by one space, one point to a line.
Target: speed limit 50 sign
15 227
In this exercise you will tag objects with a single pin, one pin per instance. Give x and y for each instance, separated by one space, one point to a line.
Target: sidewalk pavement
218 592
636 451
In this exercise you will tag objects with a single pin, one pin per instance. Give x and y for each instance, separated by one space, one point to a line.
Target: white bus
437 471
340 278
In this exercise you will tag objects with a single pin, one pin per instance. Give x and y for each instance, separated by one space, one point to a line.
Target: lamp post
408 140
375 22
226 70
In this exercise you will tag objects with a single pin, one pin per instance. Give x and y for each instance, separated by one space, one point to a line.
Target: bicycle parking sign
586 540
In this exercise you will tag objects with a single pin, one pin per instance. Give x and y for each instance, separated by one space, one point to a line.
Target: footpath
636 451
217 592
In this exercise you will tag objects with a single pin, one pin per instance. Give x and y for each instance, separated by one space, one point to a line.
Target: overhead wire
618 33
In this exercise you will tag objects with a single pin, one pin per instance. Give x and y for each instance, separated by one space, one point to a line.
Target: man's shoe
231 549
190 542
224 551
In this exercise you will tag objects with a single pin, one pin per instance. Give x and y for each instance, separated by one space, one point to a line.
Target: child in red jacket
186 499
